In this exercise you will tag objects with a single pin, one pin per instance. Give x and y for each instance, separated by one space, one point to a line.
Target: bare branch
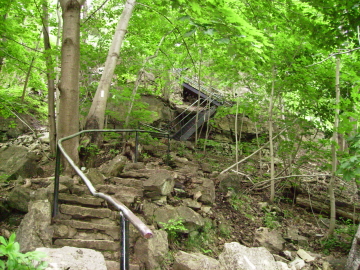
35 50
92 14
333 54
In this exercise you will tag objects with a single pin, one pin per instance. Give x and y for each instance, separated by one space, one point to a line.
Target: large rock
272 240
73 258
115 166
152 252
207 191
230 181
95 177
19 198
160 183
17 161
194 261
191 219
239 257
353 260
226 127
35 230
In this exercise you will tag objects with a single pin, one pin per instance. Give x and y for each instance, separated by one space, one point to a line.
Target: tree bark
333 150
50 79
321 204
96 116
272 169
68 120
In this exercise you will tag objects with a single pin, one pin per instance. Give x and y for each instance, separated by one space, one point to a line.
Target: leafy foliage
13 259
174 228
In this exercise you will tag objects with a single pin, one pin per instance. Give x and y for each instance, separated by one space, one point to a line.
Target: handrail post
57 182
124 242
168 150
136 146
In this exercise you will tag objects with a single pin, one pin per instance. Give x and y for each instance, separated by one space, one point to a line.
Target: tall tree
50 75
96 116
68 119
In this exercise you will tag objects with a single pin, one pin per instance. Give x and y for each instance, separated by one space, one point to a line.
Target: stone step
101 245
64 231
124 194
84 200
85 212
77 224
115 265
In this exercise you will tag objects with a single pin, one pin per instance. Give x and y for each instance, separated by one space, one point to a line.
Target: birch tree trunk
333 150
68 120
272 167
96 116
50 79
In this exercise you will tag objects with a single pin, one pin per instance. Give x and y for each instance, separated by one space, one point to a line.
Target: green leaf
209 32
12 238
3 240
223 40
190 33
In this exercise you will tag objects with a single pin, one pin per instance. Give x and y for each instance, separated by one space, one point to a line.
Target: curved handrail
127 213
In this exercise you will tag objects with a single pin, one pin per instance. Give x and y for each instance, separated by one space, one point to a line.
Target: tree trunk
28 73
96 116
333 150
50 79
272 169
68 120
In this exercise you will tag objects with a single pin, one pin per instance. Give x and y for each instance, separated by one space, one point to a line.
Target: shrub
12 259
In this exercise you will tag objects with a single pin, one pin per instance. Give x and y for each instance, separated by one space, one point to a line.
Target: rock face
239 257
191 219
35 230
272 240
152 252
19 199
17 161
353 261
194 261
73 258
159 184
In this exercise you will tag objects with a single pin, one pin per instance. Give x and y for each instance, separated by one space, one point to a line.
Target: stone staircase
85 221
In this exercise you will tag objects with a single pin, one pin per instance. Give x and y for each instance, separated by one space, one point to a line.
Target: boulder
152 252
297 264
95 177
17 161
239 257
19 198
207 190
160 183
272 240
353 260
191 220
230 181
35 230
73 258
292 234
115 166
194 261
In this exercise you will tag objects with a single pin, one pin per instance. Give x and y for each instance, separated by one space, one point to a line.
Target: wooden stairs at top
210 99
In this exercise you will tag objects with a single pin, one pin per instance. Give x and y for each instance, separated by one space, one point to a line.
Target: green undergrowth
12 259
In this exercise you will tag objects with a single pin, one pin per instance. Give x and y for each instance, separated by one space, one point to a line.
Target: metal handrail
126 214
173 127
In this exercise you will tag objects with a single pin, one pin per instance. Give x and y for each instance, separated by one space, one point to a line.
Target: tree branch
334 54
22 44
92 14
262 147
